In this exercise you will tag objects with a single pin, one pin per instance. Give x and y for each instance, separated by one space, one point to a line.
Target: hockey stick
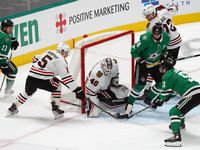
139 112
182 58
114 116
128 117
188 57
66 101
72 104
5 75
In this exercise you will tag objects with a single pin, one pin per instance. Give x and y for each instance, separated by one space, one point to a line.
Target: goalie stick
112 115
72 104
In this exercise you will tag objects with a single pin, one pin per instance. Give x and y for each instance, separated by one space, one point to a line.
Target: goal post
92 49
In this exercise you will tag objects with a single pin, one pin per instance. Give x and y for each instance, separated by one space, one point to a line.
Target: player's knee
158 85
175 112
138 87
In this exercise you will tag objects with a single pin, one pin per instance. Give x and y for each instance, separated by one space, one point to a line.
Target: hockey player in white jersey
42 76
102 84
163 15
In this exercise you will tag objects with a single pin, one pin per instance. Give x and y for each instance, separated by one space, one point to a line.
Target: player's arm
67 78
93 85
139 47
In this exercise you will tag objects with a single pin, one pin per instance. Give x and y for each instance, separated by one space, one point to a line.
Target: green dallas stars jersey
179 82
148 49
5 44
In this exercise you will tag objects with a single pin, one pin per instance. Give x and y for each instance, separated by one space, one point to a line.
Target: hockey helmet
7 23
149 9
64 47
157 28
166 63
107 65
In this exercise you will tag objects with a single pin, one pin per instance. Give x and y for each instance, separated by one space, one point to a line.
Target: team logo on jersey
115 60
148 24
99 74
144 38
153 56
7 40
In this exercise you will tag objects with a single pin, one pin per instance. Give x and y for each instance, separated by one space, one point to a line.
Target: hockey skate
174 141
145 103
8 92
182 126
12 110
56 111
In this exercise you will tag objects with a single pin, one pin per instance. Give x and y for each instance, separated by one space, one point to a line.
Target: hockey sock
135 93
175 119
149 82
155 90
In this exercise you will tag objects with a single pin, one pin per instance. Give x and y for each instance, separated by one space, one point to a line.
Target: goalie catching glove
79 93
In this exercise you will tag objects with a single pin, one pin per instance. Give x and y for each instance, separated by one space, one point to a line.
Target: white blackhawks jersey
97 80
49 64
165 17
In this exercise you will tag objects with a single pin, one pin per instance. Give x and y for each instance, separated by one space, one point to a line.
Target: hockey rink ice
34 127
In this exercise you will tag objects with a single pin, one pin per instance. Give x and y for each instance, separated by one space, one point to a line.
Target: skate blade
9 113
173 144
141 103
58 116
7 95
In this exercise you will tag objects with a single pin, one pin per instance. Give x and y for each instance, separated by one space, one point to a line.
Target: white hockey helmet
64 47
149 9
107 65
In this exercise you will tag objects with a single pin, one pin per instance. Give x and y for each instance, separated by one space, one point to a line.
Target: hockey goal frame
131 32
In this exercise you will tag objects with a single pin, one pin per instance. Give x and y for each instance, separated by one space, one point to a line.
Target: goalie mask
149 10
64 47
107 65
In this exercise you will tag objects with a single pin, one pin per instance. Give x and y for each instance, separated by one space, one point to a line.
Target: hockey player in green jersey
177 82
6 65
148 53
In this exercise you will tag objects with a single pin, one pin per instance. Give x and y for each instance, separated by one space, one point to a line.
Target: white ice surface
34 127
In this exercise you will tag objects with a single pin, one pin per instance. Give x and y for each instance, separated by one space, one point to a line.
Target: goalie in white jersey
102 84
42 76
163 15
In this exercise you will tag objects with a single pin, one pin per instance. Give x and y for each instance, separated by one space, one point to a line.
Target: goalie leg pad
120 92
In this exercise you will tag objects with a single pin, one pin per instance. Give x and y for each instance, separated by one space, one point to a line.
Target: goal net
92 49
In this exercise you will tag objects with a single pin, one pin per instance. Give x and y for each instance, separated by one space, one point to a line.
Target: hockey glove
14 43
157 102
6 69
79 93
142 64
171 58
161 7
